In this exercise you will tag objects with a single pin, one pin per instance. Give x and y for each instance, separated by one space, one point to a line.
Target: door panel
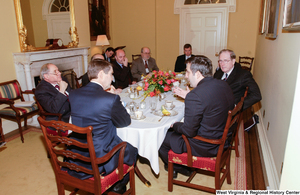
206 30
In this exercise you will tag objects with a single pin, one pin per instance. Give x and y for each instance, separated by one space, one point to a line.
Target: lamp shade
102 40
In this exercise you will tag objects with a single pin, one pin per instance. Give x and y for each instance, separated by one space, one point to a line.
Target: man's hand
113 90
62 86
125 63
181 92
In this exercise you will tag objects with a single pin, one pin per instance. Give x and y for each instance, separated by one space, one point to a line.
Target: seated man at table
109 52
85 78
92 105
122 73
238 79
52 92
143 65
206 111
180 61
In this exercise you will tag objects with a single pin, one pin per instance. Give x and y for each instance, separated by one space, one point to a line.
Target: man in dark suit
52 92
143 65
206 111
238 79
109 52
122 73
92 105
180 61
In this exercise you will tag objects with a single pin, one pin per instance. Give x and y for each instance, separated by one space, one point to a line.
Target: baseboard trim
267 156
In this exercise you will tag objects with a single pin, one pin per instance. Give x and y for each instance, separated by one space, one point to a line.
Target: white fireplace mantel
28 64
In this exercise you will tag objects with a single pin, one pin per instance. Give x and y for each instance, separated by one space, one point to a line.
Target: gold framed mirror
22 30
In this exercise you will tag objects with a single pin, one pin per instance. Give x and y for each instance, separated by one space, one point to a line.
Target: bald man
143 65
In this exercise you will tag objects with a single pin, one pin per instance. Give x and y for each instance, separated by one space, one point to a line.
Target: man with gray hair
143 65
206 111
52 92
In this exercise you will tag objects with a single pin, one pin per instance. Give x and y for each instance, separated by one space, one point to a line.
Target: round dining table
148 133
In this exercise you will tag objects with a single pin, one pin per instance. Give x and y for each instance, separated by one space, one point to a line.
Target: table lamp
102 40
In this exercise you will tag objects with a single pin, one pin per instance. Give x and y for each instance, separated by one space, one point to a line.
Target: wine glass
153 105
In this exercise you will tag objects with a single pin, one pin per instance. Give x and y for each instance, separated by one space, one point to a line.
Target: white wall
276 70
290 173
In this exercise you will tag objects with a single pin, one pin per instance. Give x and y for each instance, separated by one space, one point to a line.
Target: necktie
226 76
146 67
57 87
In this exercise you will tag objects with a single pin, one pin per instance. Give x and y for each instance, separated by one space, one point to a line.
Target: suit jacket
91 105
53 101
238 80
122 76
179 64
206 111
138 67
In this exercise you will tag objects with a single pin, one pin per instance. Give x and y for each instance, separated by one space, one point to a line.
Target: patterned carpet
25 169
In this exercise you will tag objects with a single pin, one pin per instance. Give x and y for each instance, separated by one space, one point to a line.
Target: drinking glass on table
153 105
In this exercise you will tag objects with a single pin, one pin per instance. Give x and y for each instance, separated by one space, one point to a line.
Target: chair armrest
6 101
43 113
121 146
189 150
27 92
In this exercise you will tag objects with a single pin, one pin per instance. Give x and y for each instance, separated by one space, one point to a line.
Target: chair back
11 90
134 57
95 184
59 153
71 76
246 62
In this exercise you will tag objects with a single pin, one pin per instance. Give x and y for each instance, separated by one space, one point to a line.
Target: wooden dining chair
246 62
212 166
71 76
11 92
134 57
235 145
97 184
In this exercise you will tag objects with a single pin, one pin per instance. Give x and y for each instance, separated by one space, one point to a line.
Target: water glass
153 105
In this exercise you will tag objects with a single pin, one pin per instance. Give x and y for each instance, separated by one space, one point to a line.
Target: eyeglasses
224 61
147 53
55 73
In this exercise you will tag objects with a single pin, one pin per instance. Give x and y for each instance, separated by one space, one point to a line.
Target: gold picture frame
22 31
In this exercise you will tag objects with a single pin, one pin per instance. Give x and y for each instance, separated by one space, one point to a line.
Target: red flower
166 88
160 82
174 74
145 88
154 71
173 80
160 73
169 81
167 74
155 75
147 84
152 93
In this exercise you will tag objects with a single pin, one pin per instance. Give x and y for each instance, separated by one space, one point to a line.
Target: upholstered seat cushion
206 163
22 110
108 180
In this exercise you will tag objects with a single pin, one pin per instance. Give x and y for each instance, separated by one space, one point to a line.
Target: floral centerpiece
159 82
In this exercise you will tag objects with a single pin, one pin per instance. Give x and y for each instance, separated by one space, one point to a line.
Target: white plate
169 108
134 118
159 113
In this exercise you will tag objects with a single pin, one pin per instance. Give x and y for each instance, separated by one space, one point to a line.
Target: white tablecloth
148 134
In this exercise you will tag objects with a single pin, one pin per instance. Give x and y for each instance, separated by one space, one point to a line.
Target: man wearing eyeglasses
143 65
53 92
238 80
